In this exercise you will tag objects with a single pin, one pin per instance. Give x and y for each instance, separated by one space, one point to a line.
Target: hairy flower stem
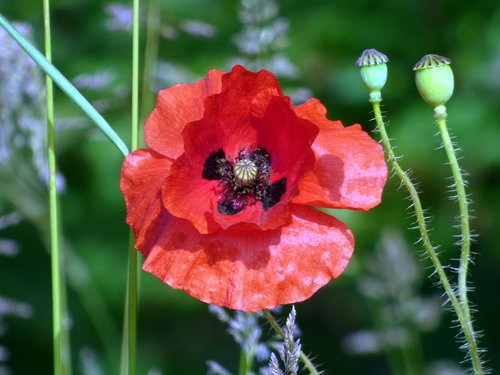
129 345
440 115
304 358
62 354
463 319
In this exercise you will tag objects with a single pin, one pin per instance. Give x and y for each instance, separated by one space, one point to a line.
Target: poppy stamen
244 180
245 172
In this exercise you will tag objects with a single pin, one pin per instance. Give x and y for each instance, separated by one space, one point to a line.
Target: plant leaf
66 86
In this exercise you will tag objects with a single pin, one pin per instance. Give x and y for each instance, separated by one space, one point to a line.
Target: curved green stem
440 115
62 353
463 320
64 85
303 357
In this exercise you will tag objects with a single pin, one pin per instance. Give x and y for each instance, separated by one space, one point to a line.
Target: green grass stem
129 346
150 56
60 336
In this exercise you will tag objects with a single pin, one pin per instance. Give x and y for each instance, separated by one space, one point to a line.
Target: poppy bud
434 79
373 71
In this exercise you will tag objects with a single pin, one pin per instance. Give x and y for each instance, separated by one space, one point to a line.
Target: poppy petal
251 270
350 170
226 120
315 112
226 125
286 137
176 107
142 176
186 194
254 215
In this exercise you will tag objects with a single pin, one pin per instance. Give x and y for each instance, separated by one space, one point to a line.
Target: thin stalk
150 55
440 115
393 359
135 78
464 210
411 363
303 357
243 366
129 340
464 322
62 355
66 86
129 349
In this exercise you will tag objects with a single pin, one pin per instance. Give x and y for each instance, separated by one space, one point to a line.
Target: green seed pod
373 69
434 79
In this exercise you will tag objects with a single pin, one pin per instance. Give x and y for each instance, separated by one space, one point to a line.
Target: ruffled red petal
315 112
286 137
142 176
227 124
254 216
226 121
251 270
186 194
350 170
176 107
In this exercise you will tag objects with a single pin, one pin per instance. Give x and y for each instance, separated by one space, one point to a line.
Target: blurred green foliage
176 333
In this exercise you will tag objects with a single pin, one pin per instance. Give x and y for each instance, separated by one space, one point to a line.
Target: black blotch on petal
229 207
211 169
260 154
273 193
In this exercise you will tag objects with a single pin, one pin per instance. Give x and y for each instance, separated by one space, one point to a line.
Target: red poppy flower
220 202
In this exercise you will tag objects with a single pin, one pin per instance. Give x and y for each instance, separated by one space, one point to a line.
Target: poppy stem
62 353
303 357
129 344
463 319
463 269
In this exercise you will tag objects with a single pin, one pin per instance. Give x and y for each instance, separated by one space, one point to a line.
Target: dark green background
176 333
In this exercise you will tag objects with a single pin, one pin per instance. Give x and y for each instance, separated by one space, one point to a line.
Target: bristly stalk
129 346
440 115
436 87
463 207
62 354
463 319
303 357
435 83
